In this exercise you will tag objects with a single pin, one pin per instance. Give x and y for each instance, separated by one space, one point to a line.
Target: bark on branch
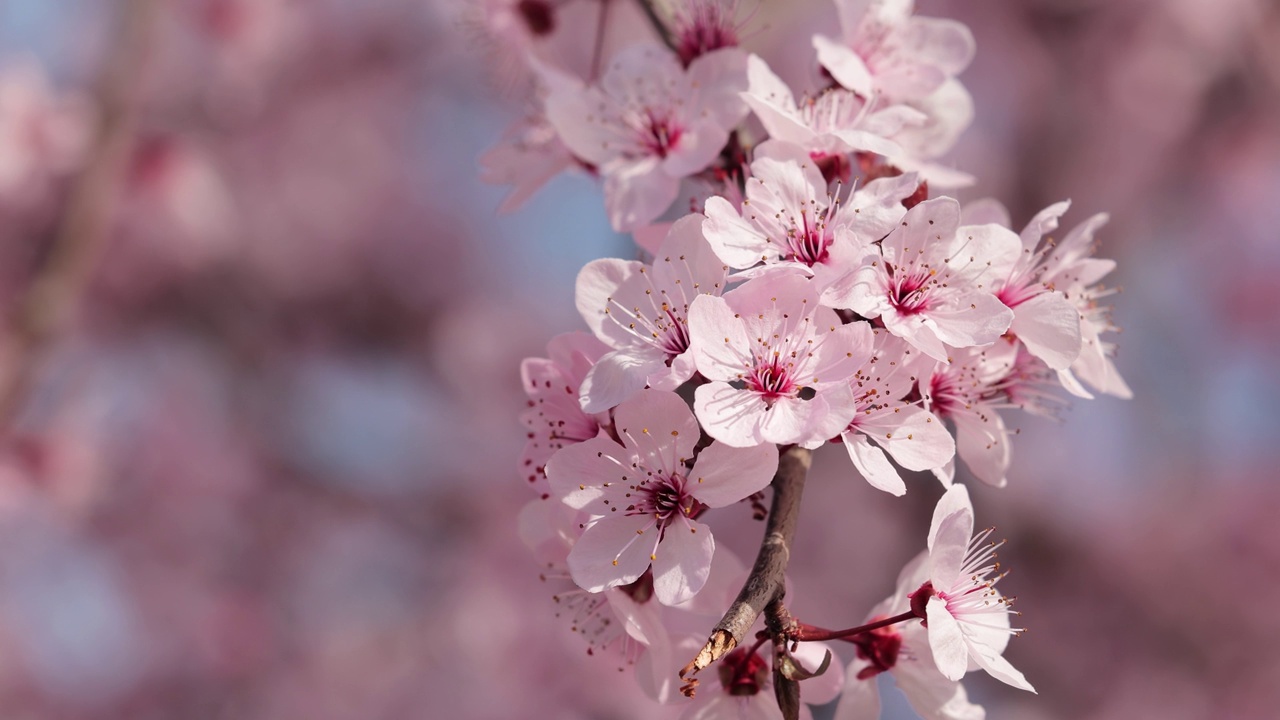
660 27
764 584
54 292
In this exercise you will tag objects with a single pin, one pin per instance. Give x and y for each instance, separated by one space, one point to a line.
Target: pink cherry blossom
833 122
620 623
910 63
641 311
742 688
649 123
886 51
924 281
643 496
885 423
1071 267
968 619
1043 319
554 418
968 392
788 220
702 26
778 362
904 652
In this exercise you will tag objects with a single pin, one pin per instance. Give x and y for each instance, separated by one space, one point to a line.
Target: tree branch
660 27
45 307
764 584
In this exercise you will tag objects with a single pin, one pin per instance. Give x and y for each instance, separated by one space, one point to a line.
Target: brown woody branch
660 27
765 583
54 292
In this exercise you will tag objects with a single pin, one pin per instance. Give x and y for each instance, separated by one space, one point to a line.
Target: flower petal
946 640
658 425
844 64
1049 325
724 474
636 192
730 415
718 340
615 378
682 561
998 667
614 551
873 465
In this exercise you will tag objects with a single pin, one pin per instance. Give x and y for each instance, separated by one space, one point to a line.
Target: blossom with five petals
903 651
789 221
641 311
885 423
968 619
924 281
779 363
643 496
649 123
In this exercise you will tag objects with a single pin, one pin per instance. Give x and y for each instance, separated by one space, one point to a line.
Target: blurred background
259 380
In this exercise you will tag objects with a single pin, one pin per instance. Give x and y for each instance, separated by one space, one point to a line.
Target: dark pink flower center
1014 294
945 394
705 25
909 293
675 339
834 168
808 242
659 134
743 673
538 16
880 647
772 380
663 497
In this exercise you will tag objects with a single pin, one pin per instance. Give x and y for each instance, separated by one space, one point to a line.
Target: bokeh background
261 462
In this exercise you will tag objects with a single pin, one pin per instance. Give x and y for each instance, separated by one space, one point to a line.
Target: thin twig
808 633
45 308
664 33
764 585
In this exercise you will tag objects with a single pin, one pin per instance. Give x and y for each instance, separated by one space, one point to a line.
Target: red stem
807 633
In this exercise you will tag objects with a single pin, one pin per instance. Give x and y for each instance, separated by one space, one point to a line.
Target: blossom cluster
817 288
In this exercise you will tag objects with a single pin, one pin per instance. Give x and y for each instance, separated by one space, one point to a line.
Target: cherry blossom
1054 292
888 52
788 220
909 62
1043 319
924 281
642 312
644 497
968 619
833 122
742 688
648 123
903 651
554 418
886 423
968 393
1072 268
619 622
778 363
702 26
